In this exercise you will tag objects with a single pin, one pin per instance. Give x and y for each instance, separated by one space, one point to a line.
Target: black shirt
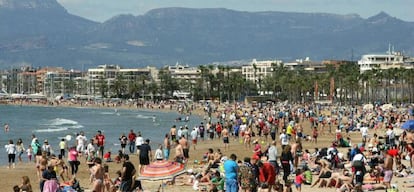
129 170
144 150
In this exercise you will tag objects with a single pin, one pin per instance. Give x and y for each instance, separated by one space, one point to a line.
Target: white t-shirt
364 131
81 140
390 133
283 139
139 141
194 134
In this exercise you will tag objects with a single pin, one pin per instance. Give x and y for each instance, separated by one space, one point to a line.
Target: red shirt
267 173
132 136
100 139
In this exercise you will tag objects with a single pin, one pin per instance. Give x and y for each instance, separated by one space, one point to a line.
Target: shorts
225 139
194 141
144 160
298 185
387 175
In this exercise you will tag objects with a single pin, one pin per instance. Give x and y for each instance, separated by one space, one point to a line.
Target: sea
54 123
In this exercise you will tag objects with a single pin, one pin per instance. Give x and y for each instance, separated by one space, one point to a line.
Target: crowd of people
280 158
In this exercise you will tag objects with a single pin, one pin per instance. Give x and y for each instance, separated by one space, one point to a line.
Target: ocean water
54 123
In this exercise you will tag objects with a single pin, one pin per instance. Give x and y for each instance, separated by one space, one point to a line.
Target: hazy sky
101 10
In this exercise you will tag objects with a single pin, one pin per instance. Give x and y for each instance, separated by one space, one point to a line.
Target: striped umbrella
160 170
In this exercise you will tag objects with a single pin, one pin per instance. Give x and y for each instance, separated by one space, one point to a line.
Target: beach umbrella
161 170
408 125
368 107
387 107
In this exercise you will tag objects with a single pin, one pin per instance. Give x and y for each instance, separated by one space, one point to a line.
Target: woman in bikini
247 137
97 176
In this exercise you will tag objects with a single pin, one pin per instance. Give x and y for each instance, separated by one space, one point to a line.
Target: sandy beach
13 176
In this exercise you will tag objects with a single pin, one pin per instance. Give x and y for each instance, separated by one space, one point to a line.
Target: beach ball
68 137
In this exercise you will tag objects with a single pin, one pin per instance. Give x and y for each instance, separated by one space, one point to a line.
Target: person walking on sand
100 142
167 147
145 155
20 149
81 142
225 134
11 152
131 139
194 135
184 144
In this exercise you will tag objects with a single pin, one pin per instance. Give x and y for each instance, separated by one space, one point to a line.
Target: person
145 155
81 142
73 160
388 170
100 142
139 141
29 153
46 147
16 188
246 175
6 127
272 155
11 153
167 147
257 150
97 176
26 186
286 159
299 179
315 135
123 140
107 156
284 139
217 183
267 175
179 154
184 144
358 163
173 133
20 149
131 141
194 135
158 153
225 134
62 146
127 174
49 179
231 171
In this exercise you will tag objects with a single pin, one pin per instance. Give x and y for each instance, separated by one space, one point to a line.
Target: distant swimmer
6 127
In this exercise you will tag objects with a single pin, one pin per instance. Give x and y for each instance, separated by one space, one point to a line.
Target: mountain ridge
47 35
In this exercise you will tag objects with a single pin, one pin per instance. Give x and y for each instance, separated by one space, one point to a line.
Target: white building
257 70
382 61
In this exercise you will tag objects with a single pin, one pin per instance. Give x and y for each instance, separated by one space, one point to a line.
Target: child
29 152
299 180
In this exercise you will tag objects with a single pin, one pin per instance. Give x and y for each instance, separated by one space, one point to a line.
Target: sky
101 10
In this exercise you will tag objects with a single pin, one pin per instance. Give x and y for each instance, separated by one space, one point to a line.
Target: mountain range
43 33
